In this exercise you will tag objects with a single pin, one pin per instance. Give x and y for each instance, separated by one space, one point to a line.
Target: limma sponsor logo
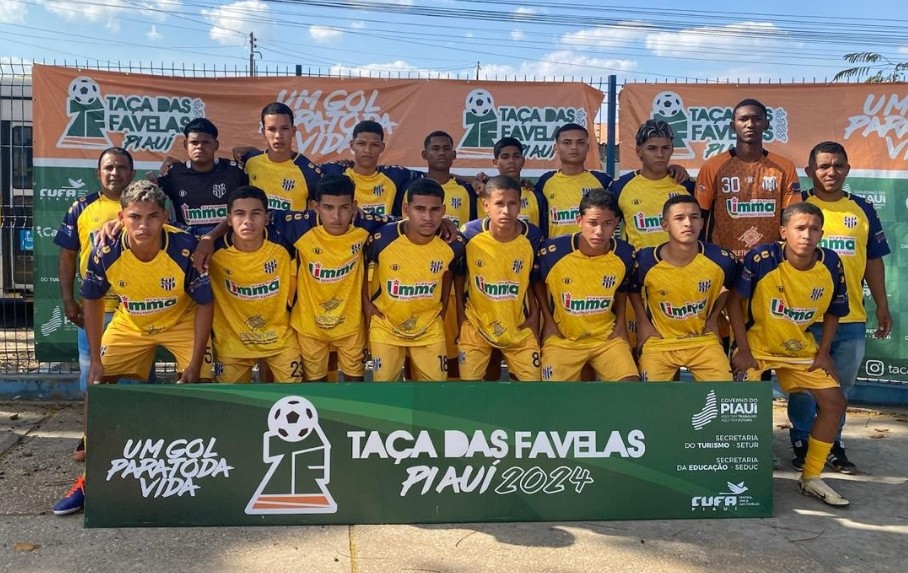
796 315
586 304
646 224
753 208
684 310
564 216
402 291
253 292
503 290
841 244
326 275
147 305
204 214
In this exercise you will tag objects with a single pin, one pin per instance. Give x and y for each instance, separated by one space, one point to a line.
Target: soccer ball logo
479 102
667 104
84 90
292 418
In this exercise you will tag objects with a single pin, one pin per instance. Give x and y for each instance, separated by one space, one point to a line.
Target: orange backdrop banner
80 112
870 120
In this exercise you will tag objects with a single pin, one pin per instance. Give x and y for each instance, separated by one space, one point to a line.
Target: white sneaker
818 488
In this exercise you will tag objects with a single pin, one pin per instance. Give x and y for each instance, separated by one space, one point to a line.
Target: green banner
425 452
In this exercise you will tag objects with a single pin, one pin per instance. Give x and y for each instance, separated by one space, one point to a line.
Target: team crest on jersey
217 368
524 202
436 266
816 293
456 202
219 190
547 373
770 183
851 221
378 190
517 266
704 286
586 191
270 266
288 184
356 248
168 283
608 281
376 363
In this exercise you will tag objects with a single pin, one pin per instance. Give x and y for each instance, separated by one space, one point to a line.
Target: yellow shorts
428 362
793 376
563 359
286 367
126 353
707 363
350 353
475 351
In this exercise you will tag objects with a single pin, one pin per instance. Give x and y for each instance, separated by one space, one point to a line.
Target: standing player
683 286
285 175
508 158
743 191
404 308
164 302
563 189
584 295
495 308
199 187
852 229
787 287
252 277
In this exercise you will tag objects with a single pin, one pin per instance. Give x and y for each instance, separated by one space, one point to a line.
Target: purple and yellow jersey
533 207
288 184
77 231
330 273
785 301
745 199
154 295
407 285
563 193
200 199
853 230
640 202
497 282
582 289
377 193
252 295
678 300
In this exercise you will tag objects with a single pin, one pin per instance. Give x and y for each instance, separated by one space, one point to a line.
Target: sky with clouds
511 38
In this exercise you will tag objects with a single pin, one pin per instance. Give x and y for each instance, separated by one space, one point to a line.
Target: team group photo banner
426 453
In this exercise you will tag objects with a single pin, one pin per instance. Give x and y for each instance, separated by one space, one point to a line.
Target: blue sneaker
74 500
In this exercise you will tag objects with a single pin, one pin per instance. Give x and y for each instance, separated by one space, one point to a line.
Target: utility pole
252 52
477 71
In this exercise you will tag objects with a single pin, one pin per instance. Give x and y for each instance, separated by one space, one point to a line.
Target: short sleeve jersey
533 208
200 198
498 281
745 199
407 284
460 201
785 301
330 273
563 194
640 201
154 295
678 300
77 231
252 294
288 184
853 230
379 192
582 289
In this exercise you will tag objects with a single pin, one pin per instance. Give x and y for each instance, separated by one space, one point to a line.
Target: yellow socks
817 452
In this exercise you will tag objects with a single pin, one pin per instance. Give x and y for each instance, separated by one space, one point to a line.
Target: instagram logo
874 368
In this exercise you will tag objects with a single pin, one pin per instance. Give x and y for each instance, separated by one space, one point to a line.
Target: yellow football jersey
377 193
563 194
582 289
678 300
154 295
853 230
498 281
407 285
287 183
785 301
252 294
640 202
532 209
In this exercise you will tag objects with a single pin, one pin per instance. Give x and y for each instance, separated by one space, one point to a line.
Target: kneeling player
681 288
584 296
252 272
495 308
410 288
788 286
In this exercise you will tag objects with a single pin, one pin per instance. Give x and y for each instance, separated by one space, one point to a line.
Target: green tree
877 69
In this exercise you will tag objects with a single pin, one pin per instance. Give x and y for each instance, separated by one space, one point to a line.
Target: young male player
682 285
285 175
584 294
788 286
252 275
199 187
852 229
410 290
743 191
495 306
164 302
509 159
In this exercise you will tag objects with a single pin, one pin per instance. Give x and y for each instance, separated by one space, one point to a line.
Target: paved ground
805 535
